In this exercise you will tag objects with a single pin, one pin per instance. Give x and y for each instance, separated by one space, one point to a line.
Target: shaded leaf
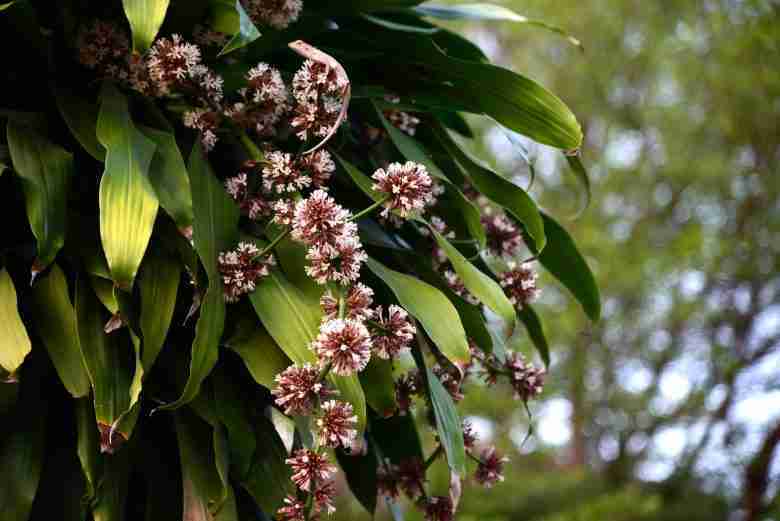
564 261
45 170
268 481
158 283
379 386
128 204
22 449
168 176
87 445
215 229
396 438
55 321
15 344
477 283
575 163
111 497
496 188
535 330
110 364
81 116
360 471
260 354
427 304
145 17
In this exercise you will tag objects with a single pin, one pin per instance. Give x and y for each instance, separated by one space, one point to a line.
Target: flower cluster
104 48
408 187
241 269
263 102
278 14
504 238
519 283
319 93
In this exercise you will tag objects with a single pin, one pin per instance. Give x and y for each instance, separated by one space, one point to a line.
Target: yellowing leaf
14 342
145 17
128 203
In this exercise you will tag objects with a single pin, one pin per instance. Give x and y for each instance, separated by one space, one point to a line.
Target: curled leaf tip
110 440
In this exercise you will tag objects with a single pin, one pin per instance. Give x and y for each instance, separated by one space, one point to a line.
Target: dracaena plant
245 243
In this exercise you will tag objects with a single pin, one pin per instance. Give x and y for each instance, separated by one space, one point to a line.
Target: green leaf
396 26
562 259
379 386
448 423
292 318
128 204
533 324
205 495
359 178
22 449
397 438
230 406
158 283
427 304
496 188
575 163
268 481
45 170
110 363
87 445
168 176
145 17
81 116
15 344
109 504
260 354
215 229
364 6
481 11
477 283
55 321
360 471
6 5
231 18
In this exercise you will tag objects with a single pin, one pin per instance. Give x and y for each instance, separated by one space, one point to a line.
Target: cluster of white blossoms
318 90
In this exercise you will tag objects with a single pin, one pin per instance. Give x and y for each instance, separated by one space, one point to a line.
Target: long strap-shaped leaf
229 17
145 17
45 170
15 344
428 305
158 283
215 229
292 318
55 322
128 203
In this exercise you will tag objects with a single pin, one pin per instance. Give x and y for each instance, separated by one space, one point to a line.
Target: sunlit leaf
45 170
427 304
479 11
128 204
145 17
230 18
477 283
15 344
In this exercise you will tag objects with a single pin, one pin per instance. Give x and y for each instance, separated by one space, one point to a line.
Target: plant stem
273 243
253 150
370 208
438 452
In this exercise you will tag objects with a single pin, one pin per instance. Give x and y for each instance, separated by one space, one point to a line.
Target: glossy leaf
145 17
158 283
535 330
260 354
564 261
45 170
431 308
293 320
128 204
168 175
55 322
215 229
230 18
109 360
496 188
477 283
81 116
15 344
480 11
